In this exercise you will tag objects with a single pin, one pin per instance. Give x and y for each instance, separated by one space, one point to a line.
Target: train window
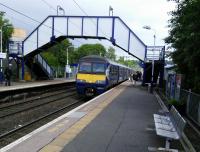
111 69
98 68
85 67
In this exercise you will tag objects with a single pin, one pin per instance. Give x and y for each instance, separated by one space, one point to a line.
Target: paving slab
126 125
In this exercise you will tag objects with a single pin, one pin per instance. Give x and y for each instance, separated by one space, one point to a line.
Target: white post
152 72
67 56
1 47
57 9
1 40
110 11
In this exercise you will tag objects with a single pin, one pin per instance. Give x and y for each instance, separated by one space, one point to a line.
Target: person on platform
1 77
8 74
134 77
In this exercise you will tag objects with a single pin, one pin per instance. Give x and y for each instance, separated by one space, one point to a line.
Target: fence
60 72
190 99
192 102
193 106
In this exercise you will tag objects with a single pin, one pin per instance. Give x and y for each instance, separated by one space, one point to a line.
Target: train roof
102 59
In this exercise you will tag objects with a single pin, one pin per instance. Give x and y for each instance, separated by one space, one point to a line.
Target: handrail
45 65
111 37
36 29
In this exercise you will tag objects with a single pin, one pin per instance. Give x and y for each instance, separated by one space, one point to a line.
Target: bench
170 126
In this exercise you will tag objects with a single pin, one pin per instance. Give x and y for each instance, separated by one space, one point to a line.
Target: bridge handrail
45 65
112 38
132 31
35 29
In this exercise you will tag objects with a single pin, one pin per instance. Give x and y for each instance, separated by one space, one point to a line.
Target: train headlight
80 80
100 81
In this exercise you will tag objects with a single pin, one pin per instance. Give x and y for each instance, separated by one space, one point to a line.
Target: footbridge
55 29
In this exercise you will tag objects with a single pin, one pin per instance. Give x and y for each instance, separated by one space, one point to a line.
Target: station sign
68 69
2 55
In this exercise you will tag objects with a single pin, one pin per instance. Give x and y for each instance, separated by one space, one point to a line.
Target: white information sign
2 55
68 69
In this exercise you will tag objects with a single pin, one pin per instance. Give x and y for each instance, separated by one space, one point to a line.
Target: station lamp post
59 8
71 46
1 47
67 66
154 43
1 44
110 11
1 30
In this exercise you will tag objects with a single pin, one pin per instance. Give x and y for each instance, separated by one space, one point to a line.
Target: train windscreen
88 67
98 68
85 67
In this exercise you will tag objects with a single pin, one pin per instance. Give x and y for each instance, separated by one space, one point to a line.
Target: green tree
7 29
89 49
121 60
130 63
110 54
56 56
184 36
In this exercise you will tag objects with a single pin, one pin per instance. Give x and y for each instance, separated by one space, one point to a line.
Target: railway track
21 117
19 107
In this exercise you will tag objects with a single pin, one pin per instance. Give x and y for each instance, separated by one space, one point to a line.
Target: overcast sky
135 13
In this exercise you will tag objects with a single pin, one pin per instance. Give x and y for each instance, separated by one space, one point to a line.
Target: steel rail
36 106
39 119
32 100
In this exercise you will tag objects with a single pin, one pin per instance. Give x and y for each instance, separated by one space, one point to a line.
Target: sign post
2 55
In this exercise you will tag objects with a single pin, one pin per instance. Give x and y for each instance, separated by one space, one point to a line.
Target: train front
91 77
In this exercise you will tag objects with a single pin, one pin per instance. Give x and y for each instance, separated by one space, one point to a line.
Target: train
96 74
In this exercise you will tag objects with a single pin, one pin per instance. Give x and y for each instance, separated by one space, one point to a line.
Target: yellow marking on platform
60 125
51 148
79 126
85 121
103 105
59 142
53 129
68 135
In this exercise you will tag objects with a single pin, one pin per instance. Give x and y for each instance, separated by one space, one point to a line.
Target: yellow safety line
59 143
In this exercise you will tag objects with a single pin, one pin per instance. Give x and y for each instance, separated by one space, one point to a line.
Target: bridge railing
155 53
111 28
40 36
48 69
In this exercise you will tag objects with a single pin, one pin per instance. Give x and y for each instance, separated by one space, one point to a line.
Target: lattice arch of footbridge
57 28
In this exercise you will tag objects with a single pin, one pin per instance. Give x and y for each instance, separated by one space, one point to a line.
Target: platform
120 120
32 84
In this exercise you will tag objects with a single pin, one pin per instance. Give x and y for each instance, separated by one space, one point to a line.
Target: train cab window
98 68
112 69
85 67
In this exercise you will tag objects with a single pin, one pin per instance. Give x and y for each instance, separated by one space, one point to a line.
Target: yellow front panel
91 78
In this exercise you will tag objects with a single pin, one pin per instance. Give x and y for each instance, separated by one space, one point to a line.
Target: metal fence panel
193 107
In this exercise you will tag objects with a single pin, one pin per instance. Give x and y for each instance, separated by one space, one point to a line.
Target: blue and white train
96 74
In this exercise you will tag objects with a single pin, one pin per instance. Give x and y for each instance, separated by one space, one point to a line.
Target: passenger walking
139 74
134 77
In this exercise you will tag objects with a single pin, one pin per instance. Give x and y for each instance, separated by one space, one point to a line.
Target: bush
179 105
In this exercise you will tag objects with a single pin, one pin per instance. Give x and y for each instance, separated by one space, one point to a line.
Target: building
15 43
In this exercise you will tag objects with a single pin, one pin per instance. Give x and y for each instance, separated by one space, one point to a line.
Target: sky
135 13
